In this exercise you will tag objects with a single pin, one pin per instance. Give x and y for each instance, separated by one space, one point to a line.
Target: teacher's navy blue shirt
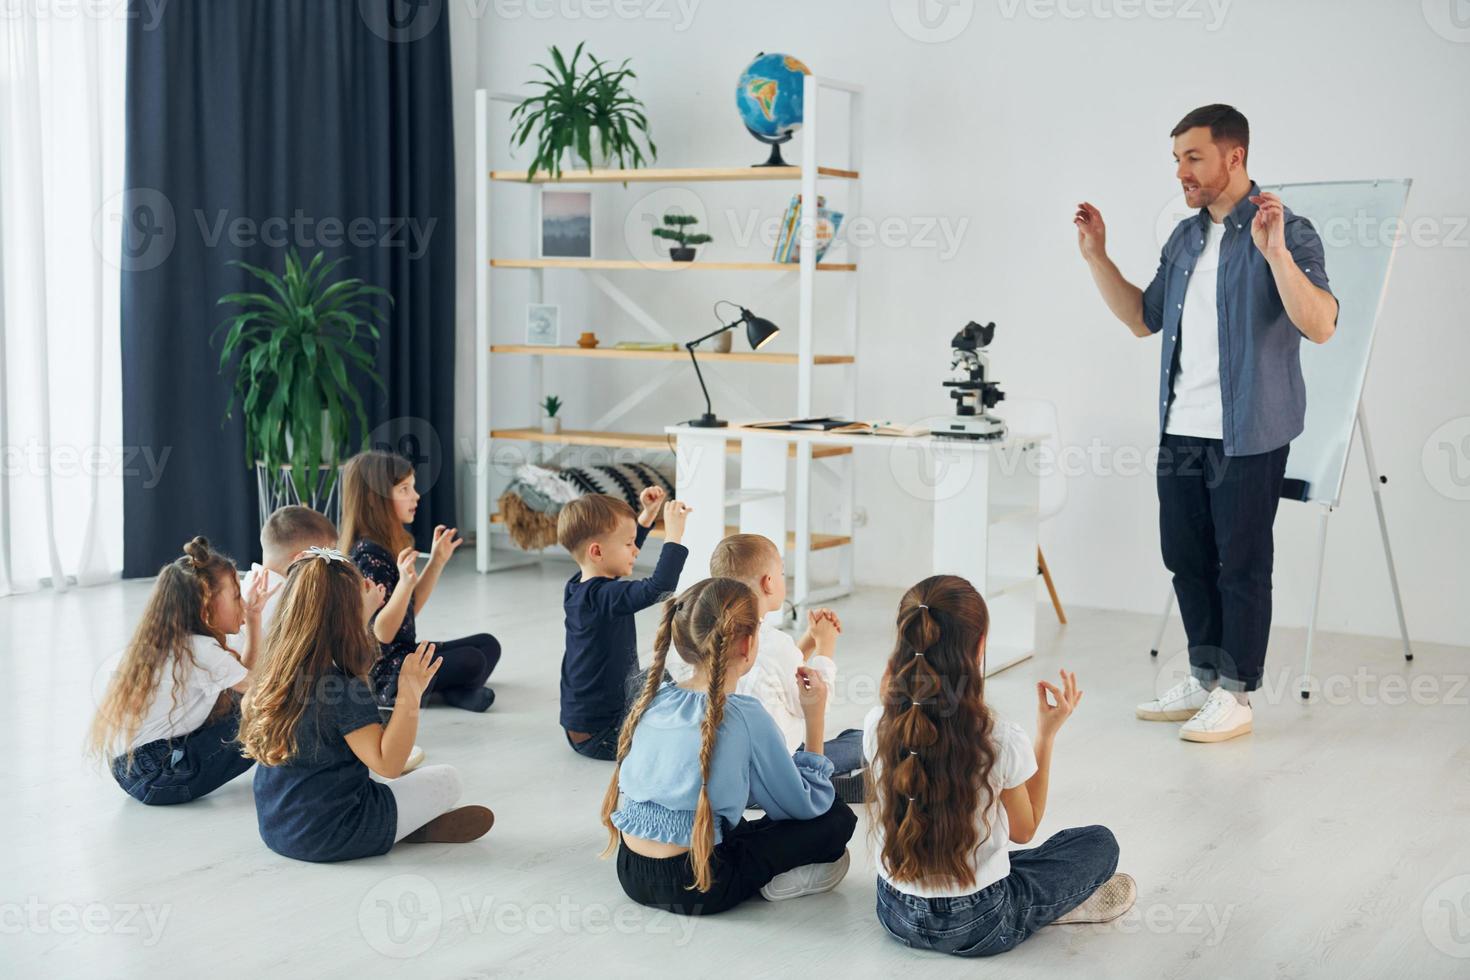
1263 397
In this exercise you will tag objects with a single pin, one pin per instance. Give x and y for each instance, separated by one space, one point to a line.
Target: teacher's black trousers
1215 524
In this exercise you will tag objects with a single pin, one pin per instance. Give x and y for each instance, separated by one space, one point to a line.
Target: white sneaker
1112 898
415 759
1179 703
809 879
1221 718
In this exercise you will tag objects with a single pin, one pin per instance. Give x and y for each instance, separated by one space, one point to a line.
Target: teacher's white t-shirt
1196 406
1015 762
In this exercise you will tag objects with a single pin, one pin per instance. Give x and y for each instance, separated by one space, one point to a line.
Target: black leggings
751 854
468 663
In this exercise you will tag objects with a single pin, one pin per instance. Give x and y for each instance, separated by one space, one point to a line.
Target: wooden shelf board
752 357
686 175
665 266
632 440
820 542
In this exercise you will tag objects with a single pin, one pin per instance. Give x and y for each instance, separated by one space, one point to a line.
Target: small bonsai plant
572 106
551 404
676 229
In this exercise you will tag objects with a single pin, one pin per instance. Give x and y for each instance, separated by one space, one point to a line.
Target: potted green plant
293 342
572 106
676 229
551 424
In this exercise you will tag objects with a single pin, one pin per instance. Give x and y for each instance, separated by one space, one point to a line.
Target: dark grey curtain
254 126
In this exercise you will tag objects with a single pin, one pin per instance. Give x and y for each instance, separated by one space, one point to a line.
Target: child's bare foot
459 826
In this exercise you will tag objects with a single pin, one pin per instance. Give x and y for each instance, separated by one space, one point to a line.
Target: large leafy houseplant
295 340
574 105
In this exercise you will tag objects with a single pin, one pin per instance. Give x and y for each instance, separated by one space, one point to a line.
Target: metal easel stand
1377 480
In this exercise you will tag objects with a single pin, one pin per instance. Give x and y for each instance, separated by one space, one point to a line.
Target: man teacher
1239 284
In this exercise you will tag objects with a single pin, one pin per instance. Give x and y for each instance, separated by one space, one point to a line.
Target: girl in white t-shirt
953 786
168 719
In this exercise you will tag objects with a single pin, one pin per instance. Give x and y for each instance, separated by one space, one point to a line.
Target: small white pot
551 425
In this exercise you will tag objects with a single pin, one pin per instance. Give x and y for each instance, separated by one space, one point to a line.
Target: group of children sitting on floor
311 671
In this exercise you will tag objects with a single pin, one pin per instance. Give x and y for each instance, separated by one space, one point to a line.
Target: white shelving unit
836 468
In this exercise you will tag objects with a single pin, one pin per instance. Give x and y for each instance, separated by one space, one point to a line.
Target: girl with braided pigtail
691 755
953 785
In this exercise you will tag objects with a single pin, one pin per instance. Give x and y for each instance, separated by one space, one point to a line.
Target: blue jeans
603 744
1045 883
845 751
184 768
1215 530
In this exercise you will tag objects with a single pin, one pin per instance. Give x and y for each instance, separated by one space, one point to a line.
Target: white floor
1335 841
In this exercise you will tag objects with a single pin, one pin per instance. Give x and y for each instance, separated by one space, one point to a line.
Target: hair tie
918 653
923 606
327 555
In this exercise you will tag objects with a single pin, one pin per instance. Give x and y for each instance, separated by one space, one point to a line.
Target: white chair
1034 416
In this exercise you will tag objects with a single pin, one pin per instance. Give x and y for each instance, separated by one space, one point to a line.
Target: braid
702 836
920 685
661 642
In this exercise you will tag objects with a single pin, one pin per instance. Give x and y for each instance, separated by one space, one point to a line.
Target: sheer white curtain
61 177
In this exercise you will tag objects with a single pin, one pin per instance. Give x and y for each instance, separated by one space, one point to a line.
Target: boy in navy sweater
603 535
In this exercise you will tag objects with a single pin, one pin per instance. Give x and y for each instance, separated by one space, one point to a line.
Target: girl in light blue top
692 755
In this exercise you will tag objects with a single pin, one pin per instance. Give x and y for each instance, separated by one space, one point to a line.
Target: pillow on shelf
531 503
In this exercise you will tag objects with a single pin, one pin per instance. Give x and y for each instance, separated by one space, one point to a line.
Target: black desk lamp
758 331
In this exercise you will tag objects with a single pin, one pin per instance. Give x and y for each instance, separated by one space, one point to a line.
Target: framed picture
566 224
543 324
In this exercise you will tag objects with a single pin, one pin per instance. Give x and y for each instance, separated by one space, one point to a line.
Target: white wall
998 132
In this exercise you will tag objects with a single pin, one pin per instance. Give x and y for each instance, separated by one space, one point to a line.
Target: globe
769 98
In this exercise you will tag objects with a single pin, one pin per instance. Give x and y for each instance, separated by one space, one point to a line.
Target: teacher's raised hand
1092 234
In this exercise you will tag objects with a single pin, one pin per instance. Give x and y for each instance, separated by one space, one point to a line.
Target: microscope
974 395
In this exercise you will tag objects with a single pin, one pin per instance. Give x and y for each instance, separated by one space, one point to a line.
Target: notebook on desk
841 427
805 425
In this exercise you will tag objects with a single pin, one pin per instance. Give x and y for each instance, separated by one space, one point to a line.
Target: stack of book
788 242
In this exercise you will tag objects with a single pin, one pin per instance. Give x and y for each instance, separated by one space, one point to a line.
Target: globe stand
775 159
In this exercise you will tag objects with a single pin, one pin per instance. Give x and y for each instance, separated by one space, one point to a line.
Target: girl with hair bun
689 758
954 785
166 724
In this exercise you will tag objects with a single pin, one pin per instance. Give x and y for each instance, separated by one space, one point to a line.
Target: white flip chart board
1360 223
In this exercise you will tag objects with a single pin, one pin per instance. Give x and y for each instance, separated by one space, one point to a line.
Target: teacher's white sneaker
1179 703
1221 718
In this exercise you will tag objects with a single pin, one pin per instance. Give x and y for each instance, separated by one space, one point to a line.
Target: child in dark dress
378 499
310 720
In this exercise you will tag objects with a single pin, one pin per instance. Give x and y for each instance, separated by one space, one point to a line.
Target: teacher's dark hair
1226 123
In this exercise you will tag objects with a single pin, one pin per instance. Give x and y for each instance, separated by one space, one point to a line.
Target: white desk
980 497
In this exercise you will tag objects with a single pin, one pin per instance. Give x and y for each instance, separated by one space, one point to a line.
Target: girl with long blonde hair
166 723
310 719
954 785
692 755
379 500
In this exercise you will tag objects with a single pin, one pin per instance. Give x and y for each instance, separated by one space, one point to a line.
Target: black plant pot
685 254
